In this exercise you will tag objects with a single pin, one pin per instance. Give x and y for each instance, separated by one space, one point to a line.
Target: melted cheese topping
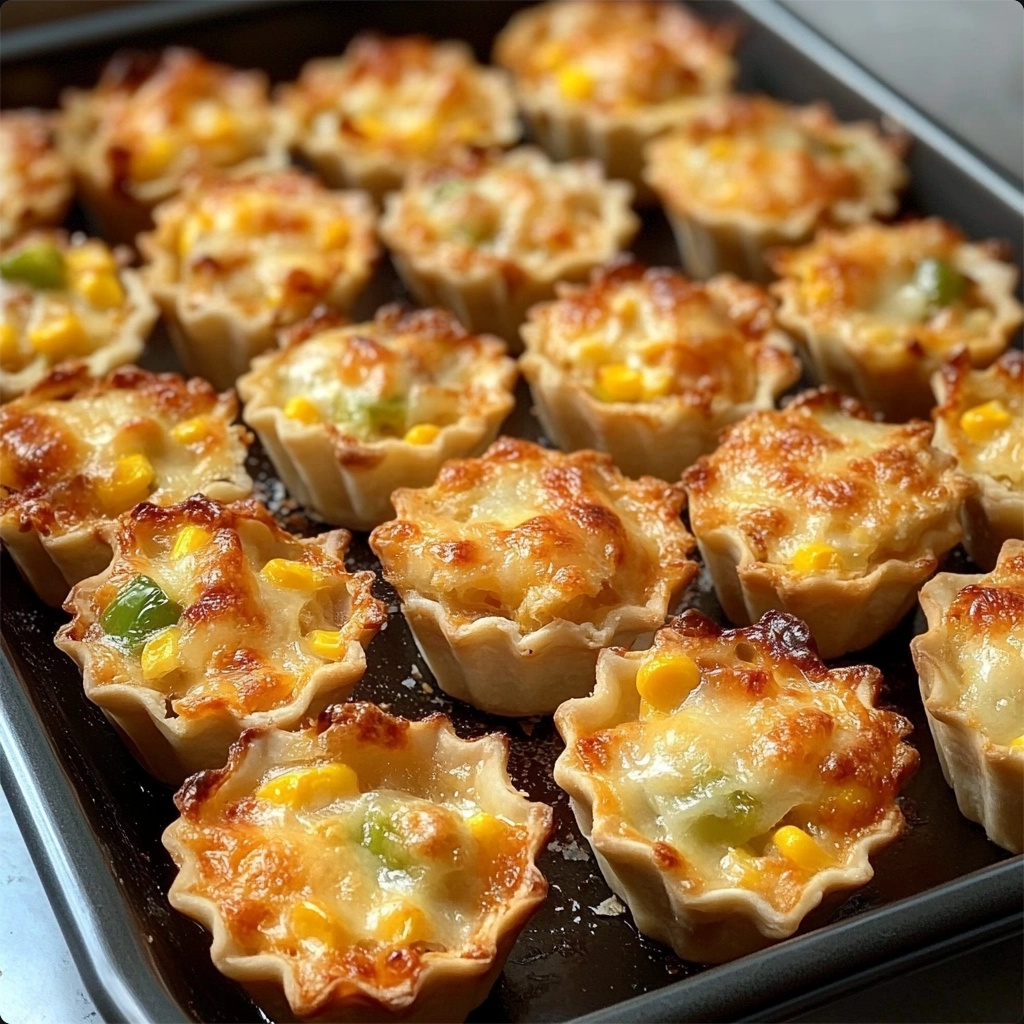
153 119
769 161
985 640
251 631
36 178
763 740
494 210
821 475
984 418
614 57
277 243
652 335
385 378
404 96
76 451
534 536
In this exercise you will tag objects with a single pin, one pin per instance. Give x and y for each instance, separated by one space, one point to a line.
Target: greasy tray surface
570 959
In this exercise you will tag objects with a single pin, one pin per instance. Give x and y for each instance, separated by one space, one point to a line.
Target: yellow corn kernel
371 126
820 291
100 289
402 923
301 409
983 422
334 234
191 230
664 680
312 787
308 921
851 800
591 351
816 558
550 55
575 83
153 157
191 431
1017 744
10 348
161 654
657 383
878 334
488 830
211 123
797 846
128 484
422 433
740 866
189 540
80 259
720 147
291 575
423 136
617 382
327 643
59 337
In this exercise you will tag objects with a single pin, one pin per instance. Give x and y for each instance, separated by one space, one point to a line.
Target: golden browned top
642 334
614 56
77 451
360 850
516 212
730 743
405 96
36 178
535 536
762 161
260 610
822 476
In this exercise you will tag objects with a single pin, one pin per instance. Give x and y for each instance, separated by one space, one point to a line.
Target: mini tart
490 233
36 178
67 299
516 568
601 78
209 620
235 259
742 173
76 452
649 366
154 118
347 413
363 119
819 511
877 309
980 422
728 780
401 859
971 671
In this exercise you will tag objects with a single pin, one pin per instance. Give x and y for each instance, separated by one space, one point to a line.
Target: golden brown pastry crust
367 392
743 173
858 304
443 790
994 456
600 78
365 118
687 803
61 444
971 670
650 367
819 511
516 568
489 233
250 643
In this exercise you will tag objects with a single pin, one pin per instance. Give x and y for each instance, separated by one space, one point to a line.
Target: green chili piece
739 823
40 265
139 610
939 281
379 835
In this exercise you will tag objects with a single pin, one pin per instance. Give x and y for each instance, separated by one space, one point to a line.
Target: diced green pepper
940 282
139 610
739 822
40 265
379 835
373 417
447 189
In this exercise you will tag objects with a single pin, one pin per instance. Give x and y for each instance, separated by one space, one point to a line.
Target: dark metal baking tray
92 818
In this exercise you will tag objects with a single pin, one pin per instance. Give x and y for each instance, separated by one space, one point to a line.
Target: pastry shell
987 777
995 513
423 757
659 435
667 897
348 480
51 525
493 661
888 363
170 740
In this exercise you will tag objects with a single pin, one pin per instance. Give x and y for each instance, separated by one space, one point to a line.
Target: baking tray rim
69 857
